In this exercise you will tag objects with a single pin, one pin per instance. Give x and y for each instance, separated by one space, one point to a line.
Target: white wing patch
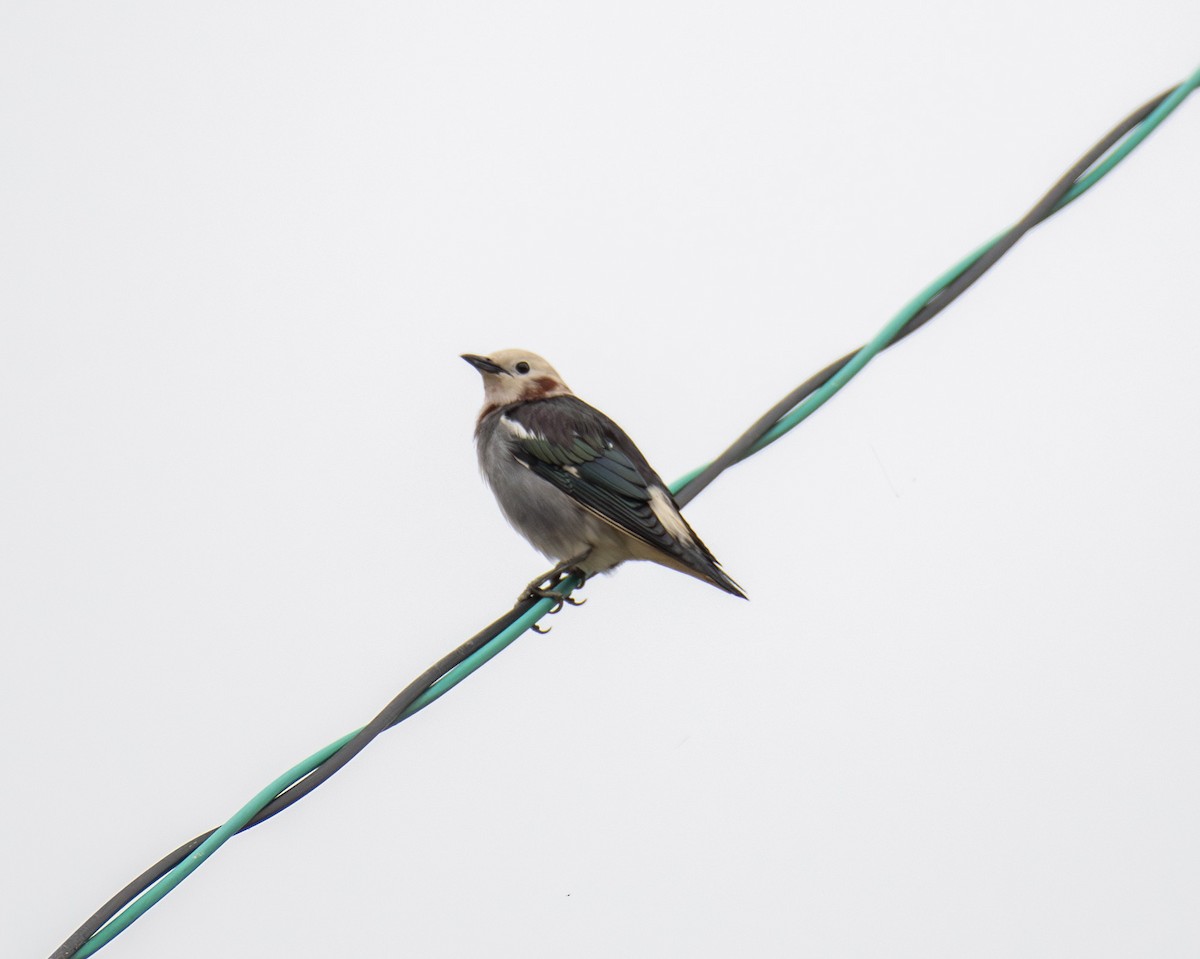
517 429
673 523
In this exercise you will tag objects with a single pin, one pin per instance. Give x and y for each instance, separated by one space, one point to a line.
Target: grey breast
552 522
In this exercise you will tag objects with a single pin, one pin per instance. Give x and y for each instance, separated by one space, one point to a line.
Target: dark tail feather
704 567
717 577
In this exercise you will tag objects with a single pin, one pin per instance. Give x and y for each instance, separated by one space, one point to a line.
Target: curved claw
539 593
543 630
544 587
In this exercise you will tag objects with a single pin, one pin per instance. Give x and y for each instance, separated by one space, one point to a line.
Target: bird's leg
542 587
583 578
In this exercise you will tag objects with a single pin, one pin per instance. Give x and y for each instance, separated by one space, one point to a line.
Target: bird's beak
483 364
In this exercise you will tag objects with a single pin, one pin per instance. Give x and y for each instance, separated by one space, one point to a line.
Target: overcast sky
242 246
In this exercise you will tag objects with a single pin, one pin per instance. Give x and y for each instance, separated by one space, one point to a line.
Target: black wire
393 713
744 445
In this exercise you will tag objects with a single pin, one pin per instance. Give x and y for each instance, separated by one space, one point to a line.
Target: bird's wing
579 450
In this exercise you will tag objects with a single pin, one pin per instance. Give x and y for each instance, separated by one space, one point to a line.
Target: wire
1071 185
287 789
152 885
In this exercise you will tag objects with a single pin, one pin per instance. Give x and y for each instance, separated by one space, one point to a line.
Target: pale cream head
516 376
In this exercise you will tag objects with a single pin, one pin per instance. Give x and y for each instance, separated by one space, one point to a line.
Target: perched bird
571 481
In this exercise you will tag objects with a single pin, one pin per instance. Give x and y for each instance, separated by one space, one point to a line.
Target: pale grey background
242 246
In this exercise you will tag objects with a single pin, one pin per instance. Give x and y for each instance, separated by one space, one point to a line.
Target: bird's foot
545 587
538 591
583 578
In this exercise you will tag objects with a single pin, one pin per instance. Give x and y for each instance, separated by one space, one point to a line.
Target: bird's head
516 376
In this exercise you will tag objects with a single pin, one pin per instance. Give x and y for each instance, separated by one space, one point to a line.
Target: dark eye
522 367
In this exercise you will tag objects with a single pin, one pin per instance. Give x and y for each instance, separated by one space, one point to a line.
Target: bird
573 483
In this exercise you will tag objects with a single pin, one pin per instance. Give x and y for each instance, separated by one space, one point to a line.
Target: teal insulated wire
888 333
88 940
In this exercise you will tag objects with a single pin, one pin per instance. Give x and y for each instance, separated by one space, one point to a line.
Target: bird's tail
720 579
701 564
